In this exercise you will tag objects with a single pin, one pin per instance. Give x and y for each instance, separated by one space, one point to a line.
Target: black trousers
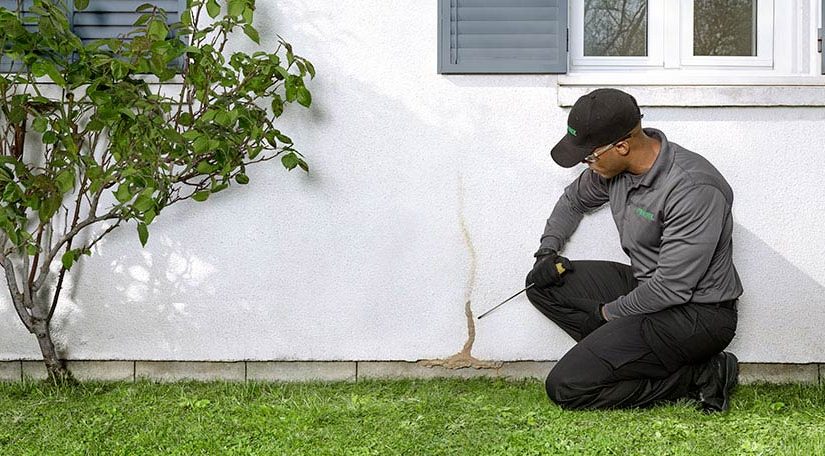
634 361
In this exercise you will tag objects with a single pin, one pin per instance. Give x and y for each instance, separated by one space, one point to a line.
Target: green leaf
5 175
50 137
145 7
191 135
290 89
143 233
123 194
204 167
40 124
65 181
119 69
242 179
304 97
236 7
42 68
186 119
304 166
252 33
247 15
127 112
310 69
200 145
223 119
143 203
67 259
290 161
158 30
200 196
95 125
48 207
143 19
277 105
282 137
213 8
81 4
12 192
17 114
149 216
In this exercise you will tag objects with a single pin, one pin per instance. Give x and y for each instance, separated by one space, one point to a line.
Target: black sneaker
717 381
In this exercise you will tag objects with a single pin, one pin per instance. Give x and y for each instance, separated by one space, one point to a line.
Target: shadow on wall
779 312
232 280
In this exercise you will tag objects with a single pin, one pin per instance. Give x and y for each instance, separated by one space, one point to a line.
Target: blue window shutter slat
114 18
6 65
502 36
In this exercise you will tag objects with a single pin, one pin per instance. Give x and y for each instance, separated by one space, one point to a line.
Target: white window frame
793 79
670 41
765 17
655 47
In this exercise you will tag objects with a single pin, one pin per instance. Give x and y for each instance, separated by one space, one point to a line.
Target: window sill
700 90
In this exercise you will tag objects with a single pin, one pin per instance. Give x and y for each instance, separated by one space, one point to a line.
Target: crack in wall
464 358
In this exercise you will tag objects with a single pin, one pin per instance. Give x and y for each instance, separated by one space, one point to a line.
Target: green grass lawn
475 417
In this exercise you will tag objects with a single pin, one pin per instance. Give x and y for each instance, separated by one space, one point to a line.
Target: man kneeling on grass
655 330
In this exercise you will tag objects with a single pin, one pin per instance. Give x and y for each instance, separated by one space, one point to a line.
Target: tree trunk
55 367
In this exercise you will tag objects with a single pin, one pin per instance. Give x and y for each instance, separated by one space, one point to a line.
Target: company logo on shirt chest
645 214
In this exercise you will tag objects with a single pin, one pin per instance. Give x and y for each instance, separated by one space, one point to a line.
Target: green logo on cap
571 130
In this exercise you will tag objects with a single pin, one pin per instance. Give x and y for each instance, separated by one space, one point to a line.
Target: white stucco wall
365 259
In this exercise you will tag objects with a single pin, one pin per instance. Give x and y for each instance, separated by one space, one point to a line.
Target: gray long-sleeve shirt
674 223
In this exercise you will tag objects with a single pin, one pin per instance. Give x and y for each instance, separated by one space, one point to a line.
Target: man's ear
622 148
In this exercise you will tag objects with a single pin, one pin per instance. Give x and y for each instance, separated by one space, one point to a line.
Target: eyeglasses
594 157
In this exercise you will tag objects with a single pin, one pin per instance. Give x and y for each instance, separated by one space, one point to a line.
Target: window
699 37
736 34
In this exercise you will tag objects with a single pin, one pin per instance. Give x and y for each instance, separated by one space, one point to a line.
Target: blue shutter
103 19
6 64
502 36
115 18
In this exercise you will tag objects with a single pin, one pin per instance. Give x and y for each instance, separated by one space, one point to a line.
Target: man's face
608 161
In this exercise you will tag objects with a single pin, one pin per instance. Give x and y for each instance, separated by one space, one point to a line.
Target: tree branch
16 297
36 255
92 219
27 295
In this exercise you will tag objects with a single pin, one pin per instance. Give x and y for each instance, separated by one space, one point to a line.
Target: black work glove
593 321
545 270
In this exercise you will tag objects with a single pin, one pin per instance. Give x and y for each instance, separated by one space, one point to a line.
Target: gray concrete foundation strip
10 371
298 371
172 371
347 371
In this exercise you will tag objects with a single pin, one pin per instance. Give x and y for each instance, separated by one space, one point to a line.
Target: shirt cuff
610 310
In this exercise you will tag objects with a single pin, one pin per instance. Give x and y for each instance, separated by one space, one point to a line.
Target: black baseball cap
597 119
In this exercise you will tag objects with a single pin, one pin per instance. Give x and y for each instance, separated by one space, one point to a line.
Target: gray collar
662 164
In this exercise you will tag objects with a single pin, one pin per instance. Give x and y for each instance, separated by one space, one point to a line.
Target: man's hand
549 269
594 320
